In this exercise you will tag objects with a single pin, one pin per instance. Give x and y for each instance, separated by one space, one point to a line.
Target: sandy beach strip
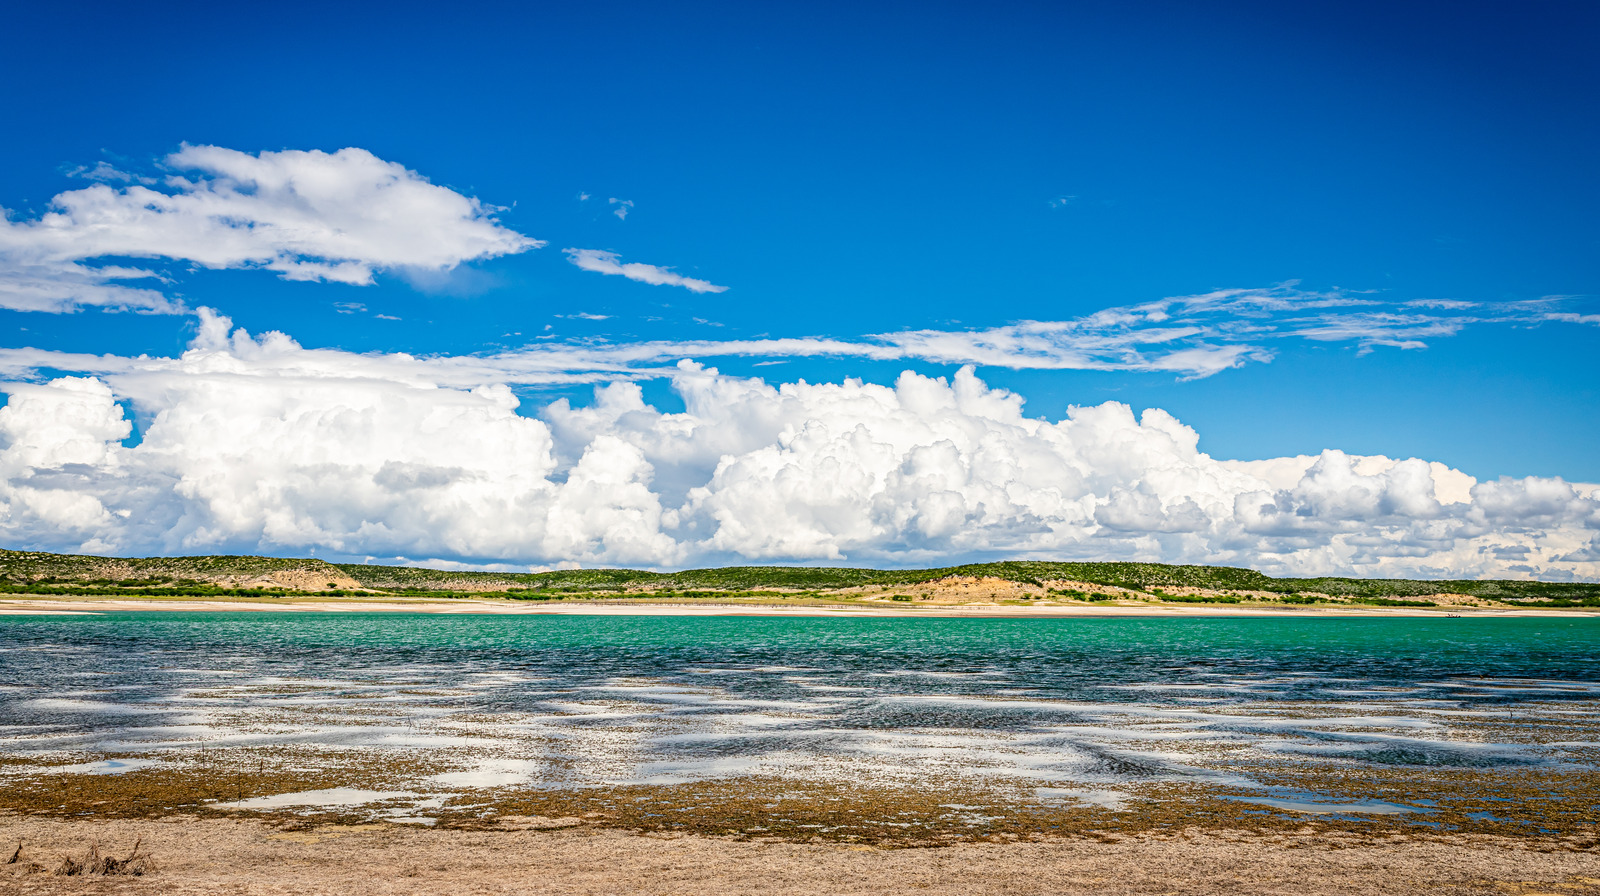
27 606
207 856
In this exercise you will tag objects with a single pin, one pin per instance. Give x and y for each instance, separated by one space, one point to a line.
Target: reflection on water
1065 710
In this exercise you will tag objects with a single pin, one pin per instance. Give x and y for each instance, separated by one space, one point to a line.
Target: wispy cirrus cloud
105 172
1189 336
1372 329
603 262
1571 318
340 216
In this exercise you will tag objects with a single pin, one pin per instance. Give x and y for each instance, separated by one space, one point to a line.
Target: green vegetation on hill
415 578
36 572
1134 576
37 564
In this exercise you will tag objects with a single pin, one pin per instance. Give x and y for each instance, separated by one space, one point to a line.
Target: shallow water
1065 709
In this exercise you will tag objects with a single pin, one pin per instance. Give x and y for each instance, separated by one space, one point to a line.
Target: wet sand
204 856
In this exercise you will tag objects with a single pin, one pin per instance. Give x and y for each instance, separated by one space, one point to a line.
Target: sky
1311 289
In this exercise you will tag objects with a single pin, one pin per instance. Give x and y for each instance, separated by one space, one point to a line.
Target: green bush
1198 598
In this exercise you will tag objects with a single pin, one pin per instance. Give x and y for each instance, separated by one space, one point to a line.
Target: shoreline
55 606
204 856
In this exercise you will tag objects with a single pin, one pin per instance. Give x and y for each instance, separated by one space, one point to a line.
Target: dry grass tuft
134 864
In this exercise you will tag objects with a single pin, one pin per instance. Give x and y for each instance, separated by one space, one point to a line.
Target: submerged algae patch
295 791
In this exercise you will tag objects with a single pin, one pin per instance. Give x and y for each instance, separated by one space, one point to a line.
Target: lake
1463 723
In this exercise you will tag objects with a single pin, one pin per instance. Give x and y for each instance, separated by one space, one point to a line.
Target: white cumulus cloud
307 215
256 444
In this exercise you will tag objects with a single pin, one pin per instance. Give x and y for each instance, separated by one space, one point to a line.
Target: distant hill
1132 576
43 573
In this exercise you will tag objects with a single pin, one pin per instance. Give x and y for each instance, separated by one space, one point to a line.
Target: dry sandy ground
205 856
56 606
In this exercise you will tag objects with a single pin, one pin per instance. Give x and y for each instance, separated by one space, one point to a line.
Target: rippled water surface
1080 711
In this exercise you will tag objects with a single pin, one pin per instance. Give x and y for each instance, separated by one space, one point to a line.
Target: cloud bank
338 216
259 445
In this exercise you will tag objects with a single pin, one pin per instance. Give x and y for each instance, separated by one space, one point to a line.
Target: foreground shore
732 607
204 856
411 752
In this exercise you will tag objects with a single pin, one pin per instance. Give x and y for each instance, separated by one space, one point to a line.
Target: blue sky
1421 174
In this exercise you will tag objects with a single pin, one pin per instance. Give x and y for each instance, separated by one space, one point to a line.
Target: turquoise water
1074 707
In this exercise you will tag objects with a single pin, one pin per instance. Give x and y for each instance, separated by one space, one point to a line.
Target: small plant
134 864
901 597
